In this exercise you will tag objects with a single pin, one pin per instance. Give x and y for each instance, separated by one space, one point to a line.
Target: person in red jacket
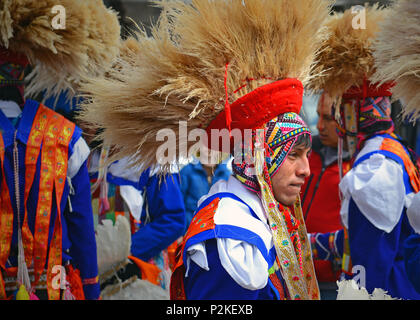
320 193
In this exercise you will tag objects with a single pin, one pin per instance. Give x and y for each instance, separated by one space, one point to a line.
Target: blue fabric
79 244
194 185
226 195
323 239
417 139
389 155
166 212
412 259
217 284
229 231
381 254
62 104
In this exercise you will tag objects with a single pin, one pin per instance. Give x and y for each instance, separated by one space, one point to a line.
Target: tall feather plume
397 55
61 57
179 73
345 58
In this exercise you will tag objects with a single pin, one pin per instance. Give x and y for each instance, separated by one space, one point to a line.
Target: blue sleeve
167 218
412 260
183 174
186 195
81 233
320 243
215 284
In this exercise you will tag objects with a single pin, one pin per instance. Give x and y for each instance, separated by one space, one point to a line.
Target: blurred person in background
320 193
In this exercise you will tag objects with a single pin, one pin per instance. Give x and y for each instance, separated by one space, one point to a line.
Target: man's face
326 123
290 177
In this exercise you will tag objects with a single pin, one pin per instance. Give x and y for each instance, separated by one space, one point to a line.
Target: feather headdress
200 57
397 54
84 44
345 58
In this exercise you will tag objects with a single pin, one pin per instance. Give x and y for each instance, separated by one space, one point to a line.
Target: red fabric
324 213
324 271
369 90
260 106
13 57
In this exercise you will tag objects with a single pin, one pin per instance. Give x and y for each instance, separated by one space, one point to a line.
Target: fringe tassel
74 290
71 192
227 105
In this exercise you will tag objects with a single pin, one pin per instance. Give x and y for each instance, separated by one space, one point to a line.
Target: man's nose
320 124
303 169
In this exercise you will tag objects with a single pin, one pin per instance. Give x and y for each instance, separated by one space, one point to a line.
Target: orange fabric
6 221
75 282
277 284
395 147
54 132
33 149
202 221
149 271
172 249
2 288
119 213
65 130
45 197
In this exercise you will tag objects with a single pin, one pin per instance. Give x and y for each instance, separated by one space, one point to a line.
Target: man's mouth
297 185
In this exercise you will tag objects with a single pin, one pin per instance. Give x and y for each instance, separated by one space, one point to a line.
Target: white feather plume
350 290
113 243
136 290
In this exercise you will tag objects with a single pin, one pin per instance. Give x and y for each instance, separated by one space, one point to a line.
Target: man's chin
287 201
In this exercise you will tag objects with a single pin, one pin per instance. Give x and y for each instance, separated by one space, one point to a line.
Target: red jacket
321 201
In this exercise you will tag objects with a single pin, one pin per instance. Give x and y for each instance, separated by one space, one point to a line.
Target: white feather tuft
113 243
136 290
350 290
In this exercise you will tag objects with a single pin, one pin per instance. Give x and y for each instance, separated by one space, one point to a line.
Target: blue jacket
194 185
380 253
163 212
78 236
166 212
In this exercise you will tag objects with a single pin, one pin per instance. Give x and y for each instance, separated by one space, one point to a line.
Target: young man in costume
383 175
227 67
397 57
320 193
48 248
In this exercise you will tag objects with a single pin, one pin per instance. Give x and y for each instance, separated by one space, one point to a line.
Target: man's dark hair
304 141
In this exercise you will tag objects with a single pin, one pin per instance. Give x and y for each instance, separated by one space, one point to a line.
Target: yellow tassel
22 294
